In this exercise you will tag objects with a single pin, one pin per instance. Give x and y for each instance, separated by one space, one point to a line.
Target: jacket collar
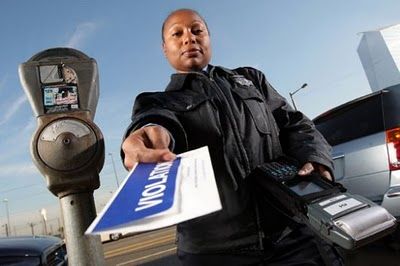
178 79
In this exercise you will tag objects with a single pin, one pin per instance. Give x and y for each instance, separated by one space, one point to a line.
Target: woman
244 122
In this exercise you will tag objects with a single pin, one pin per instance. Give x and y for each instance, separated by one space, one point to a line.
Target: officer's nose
189 38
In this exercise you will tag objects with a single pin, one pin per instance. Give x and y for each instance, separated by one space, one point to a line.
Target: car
105 237
33 251
365 136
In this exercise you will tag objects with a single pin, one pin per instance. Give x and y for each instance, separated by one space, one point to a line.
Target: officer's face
186 41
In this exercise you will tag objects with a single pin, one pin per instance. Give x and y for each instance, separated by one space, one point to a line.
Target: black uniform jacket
244 122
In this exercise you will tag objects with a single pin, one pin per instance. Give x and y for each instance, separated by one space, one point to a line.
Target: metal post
78 212
8 217
113 164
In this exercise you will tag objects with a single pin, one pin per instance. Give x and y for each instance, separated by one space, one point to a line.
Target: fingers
157 136
306 169
325 173
148 144
319 168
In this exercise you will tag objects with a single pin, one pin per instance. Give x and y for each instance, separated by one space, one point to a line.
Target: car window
356 120
20 261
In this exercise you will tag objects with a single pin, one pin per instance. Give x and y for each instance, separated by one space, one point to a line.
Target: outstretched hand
315 167
147 145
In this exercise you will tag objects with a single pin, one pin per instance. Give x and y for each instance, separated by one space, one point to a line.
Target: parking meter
62 86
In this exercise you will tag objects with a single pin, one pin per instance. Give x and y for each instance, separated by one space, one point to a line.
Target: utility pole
32 228
43 213
115 172
8 226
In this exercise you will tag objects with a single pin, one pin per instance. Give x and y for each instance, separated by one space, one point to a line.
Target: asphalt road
158 248
142 248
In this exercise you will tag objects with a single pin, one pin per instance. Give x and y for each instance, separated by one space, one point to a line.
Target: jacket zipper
232 121
242 150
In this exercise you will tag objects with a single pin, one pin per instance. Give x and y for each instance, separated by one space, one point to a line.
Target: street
142 248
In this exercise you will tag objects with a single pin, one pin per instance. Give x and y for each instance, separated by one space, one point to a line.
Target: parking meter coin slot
53 130
66 145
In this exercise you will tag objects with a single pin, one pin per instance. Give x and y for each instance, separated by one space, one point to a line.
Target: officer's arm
153 133
299 137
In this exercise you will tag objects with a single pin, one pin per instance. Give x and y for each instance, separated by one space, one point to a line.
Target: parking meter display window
60 98
50 74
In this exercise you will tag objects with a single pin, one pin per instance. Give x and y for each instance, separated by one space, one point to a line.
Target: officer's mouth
192 52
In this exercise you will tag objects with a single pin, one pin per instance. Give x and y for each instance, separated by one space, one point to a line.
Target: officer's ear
164 48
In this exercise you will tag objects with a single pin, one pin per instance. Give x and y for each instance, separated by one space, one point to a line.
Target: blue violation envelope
148 190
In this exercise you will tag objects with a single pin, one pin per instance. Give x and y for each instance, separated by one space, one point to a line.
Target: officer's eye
197 31
176 34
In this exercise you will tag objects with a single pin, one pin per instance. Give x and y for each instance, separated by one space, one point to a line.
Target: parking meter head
67 147
60 80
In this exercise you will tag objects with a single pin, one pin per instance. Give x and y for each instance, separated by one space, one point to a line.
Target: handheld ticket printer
345 219
68 148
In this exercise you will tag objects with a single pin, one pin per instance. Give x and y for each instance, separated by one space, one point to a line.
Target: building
379 52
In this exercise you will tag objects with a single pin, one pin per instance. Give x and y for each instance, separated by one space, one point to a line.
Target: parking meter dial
66 145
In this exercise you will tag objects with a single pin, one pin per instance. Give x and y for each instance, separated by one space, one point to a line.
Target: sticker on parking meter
60 98
156 195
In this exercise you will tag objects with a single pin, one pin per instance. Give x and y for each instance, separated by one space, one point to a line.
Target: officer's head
186 40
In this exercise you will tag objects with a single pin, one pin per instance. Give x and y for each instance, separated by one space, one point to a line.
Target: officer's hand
147 145
319 168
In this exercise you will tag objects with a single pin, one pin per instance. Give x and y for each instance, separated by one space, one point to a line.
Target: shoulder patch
242 80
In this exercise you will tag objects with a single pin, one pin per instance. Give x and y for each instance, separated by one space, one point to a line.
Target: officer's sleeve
148 110
298 135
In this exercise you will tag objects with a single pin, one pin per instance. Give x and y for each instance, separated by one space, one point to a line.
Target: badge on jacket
242 80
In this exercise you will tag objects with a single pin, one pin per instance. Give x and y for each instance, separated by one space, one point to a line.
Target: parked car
33 251
365 136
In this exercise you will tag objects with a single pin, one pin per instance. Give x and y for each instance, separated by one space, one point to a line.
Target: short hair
179 10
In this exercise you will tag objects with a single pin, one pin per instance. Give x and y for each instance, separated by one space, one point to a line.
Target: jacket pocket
184 103
256 105
197 115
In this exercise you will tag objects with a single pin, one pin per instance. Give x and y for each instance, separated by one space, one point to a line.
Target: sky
292 42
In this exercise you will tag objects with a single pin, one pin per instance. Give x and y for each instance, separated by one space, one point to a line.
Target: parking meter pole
78 212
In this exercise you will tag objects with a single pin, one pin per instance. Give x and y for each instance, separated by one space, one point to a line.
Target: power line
21 187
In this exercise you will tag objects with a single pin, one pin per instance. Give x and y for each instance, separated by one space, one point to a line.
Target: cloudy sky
292 42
